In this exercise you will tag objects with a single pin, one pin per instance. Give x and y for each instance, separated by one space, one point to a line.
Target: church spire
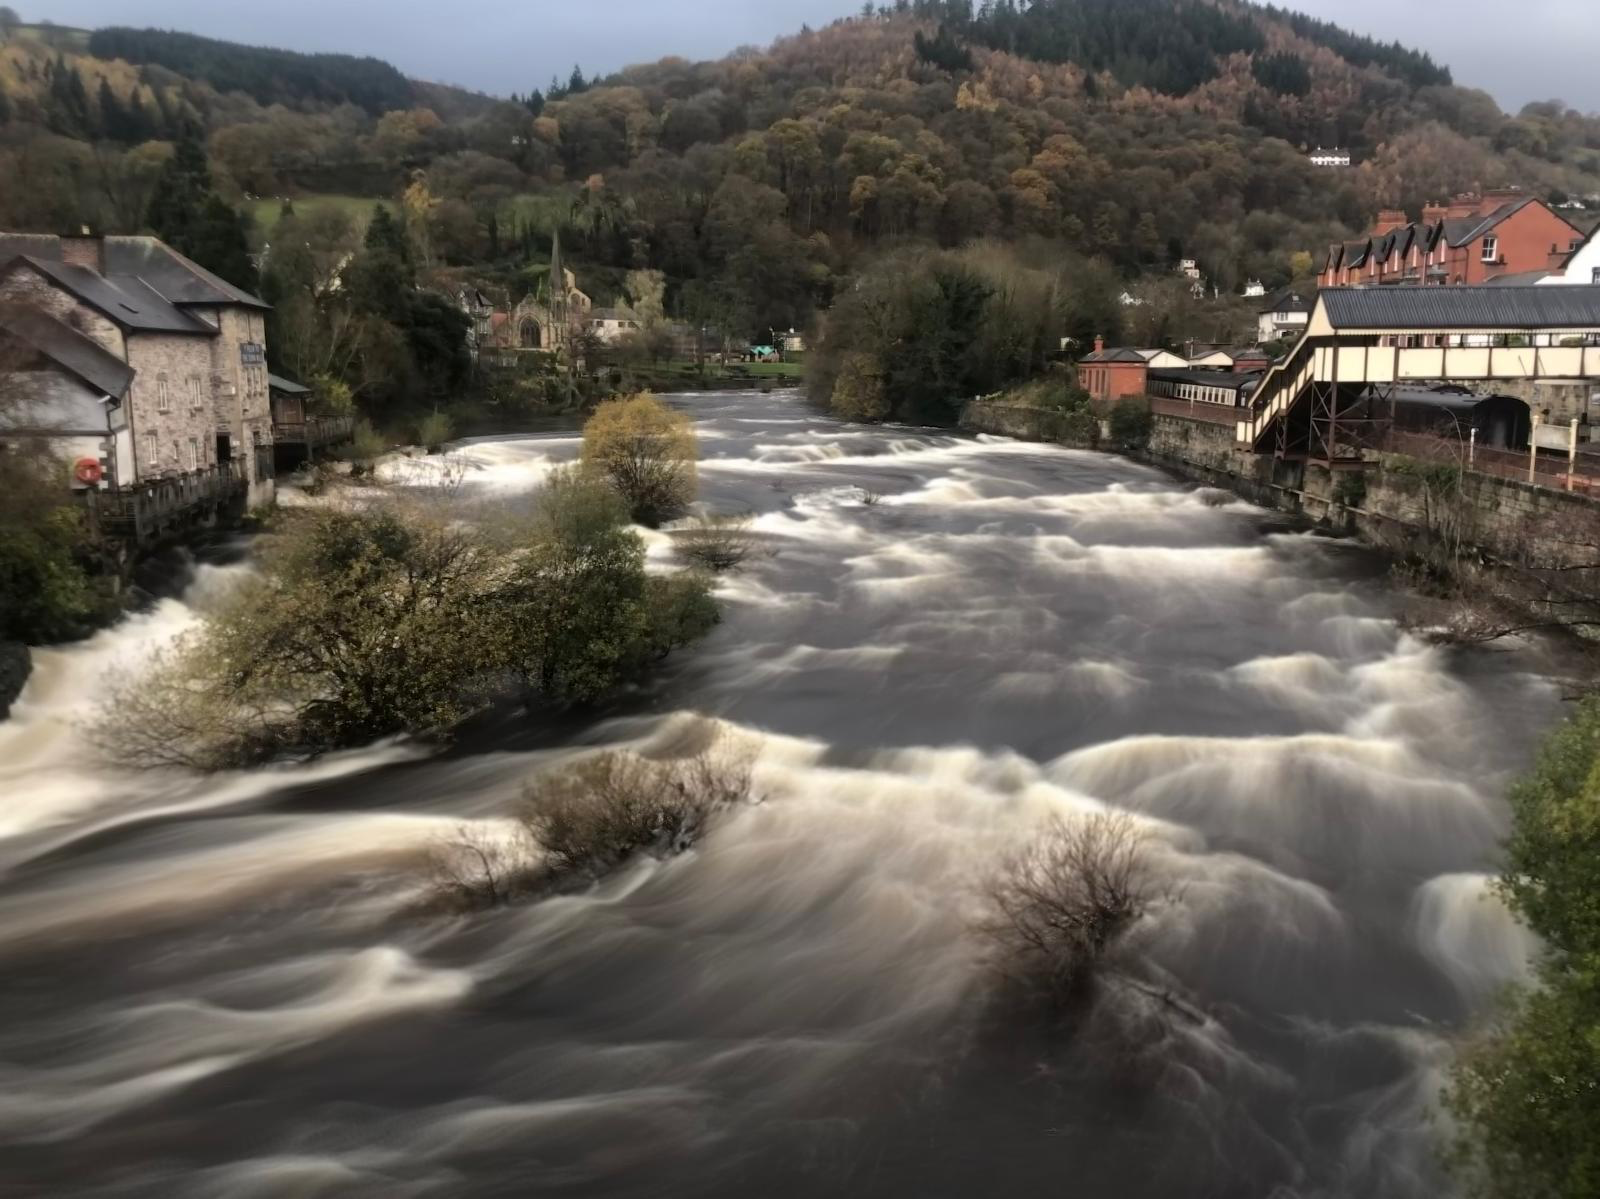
558 279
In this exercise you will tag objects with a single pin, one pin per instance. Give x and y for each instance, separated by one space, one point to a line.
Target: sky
1549 51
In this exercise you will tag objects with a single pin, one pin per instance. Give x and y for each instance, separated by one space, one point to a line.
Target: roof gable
70 350
180 280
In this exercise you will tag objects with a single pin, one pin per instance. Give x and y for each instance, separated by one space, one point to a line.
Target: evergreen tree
219 243
113 116
5 106
384 233
180 193
577 83
534 102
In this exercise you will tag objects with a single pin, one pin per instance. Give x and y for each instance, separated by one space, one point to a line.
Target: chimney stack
1499 197
1388 221
85 250
1463 205
1099 344
1432 214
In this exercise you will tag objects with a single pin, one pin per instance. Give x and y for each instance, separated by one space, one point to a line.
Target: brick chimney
84 250
1389 220
1099 344
1499 197
1432 214
1464 205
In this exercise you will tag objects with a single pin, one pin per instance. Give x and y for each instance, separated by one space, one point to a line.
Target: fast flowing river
220 987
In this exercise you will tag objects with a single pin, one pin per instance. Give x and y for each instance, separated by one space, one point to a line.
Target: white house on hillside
1329 158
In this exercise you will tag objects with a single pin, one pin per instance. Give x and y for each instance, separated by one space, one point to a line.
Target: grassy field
264 213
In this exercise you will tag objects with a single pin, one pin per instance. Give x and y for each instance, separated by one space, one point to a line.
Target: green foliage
1169 47
269 76
1526 1095
389 619
923 333
1131 423
1286 73
46 595
943 50
1351 489
191 218
367 445
433 431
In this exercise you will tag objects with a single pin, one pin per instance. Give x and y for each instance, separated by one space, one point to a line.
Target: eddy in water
222 987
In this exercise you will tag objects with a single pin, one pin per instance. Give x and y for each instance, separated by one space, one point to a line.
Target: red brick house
1473 239
1111 375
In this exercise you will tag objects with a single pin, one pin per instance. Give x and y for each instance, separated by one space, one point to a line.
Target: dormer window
1491 249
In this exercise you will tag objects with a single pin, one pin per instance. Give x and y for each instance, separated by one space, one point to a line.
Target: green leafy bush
1131 424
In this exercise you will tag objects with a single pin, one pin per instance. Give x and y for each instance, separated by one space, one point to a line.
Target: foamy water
221 986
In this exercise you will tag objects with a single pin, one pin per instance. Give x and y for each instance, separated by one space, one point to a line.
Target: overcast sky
1533 49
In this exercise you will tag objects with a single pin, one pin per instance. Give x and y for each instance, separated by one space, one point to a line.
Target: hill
1128 133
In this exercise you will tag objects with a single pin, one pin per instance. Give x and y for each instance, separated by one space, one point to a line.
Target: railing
145 509
1549 470
1279 389
314 431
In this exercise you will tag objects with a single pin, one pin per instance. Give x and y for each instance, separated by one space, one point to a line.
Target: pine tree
384 233
180 194
577 83
220 244
114 125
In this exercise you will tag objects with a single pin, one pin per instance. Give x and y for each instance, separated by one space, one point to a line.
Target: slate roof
1477 307
72 351
1117 355
126 300
1232 380
1286 300
179 279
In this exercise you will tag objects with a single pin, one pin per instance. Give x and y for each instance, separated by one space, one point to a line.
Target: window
1491 249
163 394
194 453
152 451
196 392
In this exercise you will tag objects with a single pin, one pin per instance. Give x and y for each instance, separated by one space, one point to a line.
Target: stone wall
183 437
1501 514
1075 430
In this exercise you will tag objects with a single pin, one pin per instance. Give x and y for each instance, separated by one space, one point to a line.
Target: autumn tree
647 452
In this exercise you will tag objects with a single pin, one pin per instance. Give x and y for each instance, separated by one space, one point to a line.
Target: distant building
1284 315
1163 359
1472 239
547 319
1582 266
1111 375
1254 289
611 325
1329 158
198 400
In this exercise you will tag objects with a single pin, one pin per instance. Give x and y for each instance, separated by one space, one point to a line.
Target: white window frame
163 394
1491 248
152 449
197 393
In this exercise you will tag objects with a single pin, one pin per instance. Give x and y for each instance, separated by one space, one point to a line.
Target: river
221 987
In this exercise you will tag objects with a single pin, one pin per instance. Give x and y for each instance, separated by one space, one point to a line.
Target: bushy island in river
408 613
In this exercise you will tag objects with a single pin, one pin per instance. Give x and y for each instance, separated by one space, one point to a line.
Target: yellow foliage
647 452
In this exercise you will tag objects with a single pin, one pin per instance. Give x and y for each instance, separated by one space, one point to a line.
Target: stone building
547 319
195 343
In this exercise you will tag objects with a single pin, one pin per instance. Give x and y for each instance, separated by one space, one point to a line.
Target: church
547 318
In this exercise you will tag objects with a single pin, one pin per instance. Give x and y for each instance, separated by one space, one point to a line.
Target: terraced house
194 345
1504 236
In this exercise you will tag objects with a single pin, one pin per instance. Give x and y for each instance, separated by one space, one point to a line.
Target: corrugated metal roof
1479 307
70 350
1229 380
287 386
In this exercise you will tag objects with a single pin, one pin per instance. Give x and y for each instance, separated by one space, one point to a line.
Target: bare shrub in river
591 818
1060 904
717 543
475 869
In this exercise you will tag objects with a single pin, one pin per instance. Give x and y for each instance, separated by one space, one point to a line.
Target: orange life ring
88 471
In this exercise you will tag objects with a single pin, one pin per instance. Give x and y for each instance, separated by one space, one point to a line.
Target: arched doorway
530 336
